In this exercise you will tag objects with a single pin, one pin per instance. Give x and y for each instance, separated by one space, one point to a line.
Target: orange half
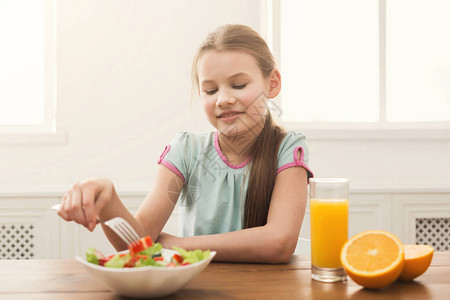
373 259
417 260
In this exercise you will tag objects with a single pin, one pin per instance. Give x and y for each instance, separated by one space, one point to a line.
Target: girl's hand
85 201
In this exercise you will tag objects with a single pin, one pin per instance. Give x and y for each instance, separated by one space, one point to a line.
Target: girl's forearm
116 208
254 245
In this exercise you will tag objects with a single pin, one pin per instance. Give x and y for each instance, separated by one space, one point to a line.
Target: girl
242 189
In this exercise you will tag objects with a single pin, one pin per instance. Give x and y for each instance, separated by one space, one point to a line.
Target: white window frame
381 130
46 133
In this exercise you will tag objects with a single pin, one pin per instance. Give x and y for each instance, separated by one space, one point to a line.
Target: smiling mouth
229 115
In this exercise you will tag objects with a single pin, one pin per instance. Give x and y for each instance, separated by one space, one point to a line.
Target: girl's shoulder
185 148
193 140
293 152
194 136
293 137
292 142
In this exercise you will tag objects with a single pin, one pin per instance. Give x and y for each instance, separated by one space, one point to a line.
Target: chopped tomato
140 245
104 260
101 262
177 258
160 258
131 262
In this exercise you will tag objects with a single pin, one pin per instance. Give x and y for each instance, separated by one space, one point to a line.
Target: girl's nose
224 98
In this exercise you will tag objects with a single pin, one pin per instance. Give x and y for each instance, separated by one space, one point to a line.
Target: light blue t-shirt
213 195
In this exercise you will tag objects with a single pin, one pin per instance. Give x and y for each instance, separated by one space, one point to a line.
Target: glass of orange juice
328 206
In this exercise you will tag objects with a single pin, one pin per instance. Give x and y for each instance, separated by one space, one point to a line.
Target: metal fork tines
123 229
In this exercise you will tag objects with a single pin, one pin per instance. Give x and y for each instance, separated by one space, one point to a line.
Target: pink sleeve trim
171 167
298 162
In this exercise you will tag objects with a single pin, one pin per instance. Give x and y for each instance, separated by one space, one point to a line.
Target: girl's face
233 92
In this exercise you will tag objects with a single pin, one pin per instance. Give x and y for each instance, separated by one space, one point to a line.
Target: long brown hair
265 149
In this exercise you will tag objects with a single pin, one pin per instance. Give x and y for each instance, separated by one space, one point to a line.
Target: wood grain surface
68 279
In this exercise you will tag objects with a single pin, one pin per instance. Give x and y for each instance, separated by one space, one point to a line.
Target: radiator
434 232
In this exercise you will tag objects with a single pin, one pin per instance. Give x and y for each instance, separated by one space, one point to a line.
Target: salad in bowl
146 270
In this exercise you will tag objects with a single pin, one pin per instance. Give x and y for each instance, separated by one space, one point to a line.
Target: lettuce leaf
155 248
91 256
117 261
192 256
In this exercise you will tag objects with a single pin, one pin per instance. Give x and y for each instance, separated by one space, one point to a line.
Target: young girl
242 189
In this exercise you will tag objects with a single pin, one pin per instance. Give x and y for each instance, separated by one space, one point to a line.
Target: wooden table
68 279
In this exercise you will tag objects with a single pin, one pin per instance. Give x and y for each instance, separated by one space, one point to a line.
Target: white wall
387 164
124 90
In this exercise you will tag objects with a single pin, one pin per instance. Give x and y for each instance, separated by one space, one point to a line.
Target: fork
123 229
120 226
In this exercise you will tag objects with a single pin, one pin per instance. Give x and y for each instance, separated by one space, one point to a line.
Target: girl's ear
274 83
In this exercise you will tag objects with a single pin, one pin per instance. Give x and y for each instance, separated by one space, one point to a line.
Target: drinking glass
329 227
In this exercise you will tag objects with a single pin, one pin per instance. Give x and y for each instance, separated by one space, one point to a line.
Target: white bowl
148 281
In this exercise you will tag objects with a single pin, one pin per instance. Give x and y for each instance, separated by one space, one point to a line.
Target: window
364 62
418 60
27 66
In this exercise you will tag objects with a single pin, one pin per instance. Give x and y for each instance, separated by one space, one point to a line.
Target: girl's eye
210 92
240 86
213 91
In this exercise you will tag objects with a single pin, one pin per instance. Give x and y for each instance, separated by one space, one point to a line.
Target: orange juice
329 227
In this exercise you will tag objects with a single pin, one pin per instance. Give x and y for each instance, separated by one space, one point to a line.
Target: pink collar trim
223 157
